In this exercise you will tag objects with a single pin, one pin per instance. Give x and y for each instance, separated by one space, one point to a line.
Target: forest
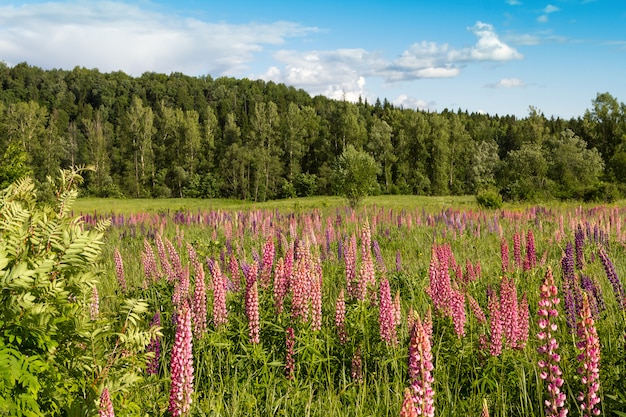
175 135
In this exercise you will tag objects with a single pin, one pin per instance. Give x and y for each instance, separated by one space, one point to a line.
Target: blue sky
495 56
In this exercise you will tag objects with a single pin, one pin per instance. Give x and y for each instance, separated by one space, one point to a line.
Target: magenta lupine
252 312
94 306
290 342
269 251
457 311
531 253
508 310
588 345
504 255
106 406
149 262
199 300
181 364
220 311
495 323
549 360
340 317
523 322
152 367
316 294
439 281
420 370
119 270
386 315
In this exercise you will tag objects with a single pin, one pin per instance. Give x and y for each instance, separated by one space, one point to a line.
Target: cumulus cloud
115 36
546 11
407 102
507 83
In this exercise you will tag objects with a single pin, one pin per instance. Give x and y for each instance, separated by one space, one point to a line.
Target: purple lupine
588 345
420 370
340 317
609 268
152 367
531 253
579 241
290 342
119 270
593 288
106 406
181 364
548 351
570 286
386 316
380 262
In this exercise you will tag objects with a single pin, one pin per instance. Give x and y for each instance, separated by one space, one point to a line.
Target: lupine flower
220 311
508 311
340 317
269 251
495 323
609 268
181 365
504 255
166 267
356 369
531 253
119 270
366 278
589 358
350 260
476 310
106 406
290 342
252 312
149 262
579 243
596 301
177 267
379 257
398 261
517 250
316 295
523 322
569 286
457 310
485 411
549 360
300 287
233 266
420 370
386 316
408 406
94 306
152 367
280 285
199 300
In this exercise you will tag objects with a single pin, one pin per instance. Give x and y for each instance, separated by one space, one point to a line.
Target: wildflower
517 250
408 406
609 268
165 263
386 316
569 286
508 309
589 358
531 253
269 251
457 310
220 311
579 242
119 270
181 365
149 262
94 306
199 300
253 313
476 310
356 369
290 341
106 406
523 324
504 255
316 295
350 260
233 265
300 287
548 351
340 317
398 261
280 285
420 370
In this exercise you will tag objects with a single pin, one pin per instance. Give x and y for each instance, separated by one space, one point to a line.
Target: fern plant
55 358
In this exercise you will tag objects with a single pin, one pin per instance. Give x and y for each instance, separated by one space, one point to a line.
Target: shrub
489 198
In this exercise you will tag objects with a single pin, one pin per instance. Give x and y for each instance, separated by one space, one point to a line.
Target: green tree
140 121
355 174
527 177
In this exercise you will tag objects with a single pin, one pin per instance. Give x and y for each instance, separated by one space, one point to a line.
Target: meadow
309 308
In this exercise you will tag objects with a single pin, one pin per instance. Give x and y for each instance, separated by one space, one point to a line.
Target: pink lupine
252 312
149 262
356 368
366 278
340 317
517 250
181 365
408 406
523 322
457 310
531 254
269 251
366 240
290 342
508 309
420 370
233 265
476 310
386 316
166 267
119 270
300 287
588 345
106 406
350 260
177 268
220 311
495 323
548 351
94 306
280 285
504 255
199 301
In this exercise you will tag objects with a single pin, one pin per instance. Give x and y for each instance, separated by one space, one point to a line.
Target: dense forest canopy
161 135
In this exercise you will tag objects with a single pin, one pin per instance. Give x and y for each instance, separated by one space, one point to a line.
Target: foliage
354 176
489 198
55 358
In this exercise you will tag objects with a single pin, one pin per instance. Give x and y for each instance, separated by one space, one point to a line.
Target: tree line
175 135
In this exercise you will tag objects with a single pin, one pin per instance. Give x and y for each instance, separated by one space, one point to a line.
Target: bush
489 198
603 192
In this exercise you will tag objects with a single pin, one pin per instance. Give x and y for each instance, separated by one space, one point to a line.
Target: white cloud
407 102
113 36
507 83
513 2
546 11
